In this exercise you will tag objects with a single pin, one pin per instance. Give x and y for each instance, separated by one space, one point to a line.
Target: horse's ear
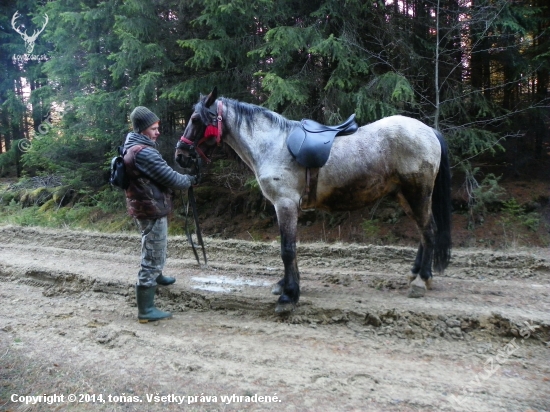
212 97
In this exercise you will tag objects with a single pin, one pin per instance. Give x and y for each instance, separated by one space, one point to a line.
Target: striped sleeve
151 164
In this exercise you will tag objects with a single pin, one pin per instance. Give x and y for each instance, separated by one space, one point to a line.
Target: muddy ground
479 341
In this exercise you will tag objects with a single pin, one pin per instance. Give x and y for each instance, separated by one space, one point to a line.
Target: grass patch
104 211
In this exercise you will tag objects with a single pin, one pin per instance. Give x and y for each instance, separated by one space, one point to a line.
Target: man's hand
195 179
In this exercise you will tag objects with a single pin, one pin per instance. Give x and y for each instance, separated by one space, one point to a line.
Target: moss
40 196
49 205
62 195
25 199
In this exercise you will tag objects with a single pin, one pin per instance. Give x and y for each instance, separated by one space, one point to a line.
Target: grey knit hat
142 118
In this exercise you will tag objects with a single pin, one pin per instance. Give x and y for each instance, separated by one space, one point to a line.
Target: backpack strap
130 162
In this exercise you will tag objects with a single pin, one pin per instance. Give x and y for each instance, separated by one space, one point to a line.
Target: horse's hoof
285 304
411 278
277 289
282 308
429 283
417 290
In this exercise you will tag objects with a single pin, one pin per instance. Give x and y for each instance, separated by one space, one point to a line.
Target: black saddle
310 142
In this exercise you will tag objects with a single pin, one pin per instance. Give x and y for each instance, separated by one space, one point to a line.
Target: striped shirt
152 165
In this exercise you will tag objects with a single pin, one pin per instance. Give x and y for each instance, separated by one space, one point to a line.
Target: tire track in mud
482 292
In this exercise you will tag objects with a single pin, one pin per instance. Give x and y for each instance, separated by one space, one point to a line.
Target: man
149 201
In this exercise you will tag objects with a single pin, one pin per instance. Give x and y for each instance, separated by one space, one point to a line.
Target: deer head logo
29 40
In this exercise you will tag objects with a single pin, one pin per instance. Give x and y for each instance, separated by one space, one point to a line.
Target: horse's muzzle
184 161
186 155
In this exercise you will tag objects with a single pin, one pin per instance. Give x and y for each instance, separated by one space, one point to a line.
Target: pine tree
459 66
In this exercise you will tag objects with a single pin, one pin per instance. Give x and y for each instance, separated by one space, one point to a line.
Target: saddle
310 144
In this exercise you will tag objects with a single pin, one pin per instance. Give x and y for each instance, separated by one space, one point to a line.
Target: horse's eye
195 120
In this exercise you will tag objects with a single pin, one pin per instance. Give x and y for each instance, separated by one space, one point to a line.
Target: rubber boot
165 280
147 312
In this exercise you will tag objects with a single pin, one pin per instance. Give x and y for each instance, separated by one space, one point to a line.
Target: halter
211 131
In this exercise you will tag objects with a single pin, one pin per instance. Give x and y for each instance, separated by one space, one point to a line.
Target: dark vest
145 199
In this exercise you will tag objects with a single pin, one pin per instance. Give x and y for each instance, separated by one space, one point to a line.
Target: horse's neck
241 143
255 145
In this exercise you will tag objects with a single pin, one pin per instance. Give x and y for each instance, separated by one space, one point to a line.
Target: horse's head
202 133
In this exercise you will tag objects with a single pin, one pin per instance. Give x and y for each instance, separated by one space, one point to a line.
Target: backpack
119 179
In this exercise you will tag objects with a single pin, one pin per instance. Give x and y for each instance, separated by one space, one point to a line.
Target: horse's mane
247 112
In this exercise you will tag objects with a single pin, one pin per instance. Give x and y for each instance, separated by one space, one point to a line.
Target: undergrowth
103 211
513 212
491 221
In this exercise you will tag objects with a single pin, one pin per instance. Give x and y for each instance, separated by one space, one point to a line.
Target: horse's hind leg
417 263
278 287
417 204
428 238
287 215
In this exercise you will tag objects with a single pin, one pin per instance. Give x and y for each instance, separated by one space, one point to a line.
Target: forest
477 70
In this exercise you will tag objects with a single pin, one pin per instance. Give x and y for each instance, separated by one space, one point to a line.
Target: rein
193 203
211 131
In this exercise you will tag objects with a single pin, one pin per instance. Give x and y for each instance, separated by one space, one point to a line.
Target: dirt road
477 342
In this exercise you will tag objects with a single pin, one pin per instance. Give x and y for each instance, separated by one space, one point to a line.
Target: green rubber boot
165 280
147 312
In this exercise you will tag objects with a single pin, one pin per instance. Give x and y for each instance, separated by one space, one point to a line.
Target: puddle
213 288
223 284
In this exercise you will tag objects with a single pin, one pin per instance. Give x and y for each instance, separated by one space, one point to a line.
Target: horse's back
392 139
400 142
405 130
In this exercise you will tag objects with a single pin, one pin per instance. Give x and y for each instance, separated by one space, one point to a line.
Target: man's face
152 132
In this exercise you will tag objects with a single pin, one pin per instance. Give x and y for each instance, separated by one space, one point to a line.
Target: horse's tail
441 209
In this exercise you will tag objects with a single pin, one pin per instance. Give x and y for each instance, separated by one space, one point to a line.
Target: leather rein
191 201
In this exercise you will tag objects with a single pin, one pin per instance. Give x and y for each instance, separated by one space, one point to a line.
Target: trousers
154 243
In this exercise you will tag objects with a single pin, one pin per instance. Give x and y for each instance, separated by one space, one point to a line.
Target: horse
396 155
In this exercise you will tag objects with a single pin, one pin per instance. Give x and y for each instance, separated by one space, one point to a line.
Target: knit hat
142 118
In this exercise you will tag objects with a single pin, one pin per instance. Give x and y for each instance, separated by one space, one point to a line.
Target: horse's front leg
287 215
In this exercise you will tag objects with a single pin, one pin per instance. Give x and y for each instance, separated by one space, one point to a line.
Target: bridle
211 131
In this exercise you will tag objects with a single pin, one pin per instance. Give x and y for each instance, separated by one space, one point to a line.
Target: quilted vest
145 199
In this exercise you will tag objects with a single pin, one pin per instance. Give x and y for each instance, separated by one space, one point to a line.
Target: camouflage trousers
154 242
